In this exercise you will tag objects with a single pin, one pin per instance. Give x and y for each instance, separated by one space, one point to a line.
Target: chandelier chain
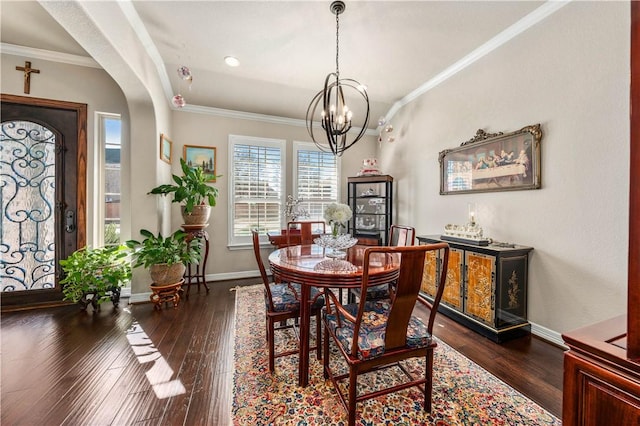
337 42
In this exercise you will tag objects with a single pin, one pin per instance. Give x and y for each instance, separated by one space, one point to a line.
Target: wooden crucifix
27 75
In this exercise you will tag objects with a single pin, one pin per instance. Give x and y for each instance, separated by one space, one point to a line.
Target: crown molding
48 55
228 113
264 118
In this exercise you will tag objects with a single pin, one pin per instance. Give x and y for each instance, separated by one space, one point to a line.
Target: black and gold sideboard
486 286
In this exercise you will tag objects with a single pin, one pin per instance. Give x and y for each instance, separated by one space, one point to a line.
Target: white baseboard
548 335
144 297
140 298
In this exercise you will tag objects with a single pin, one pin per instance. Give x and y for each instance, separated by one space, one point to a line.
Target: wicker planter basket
198 216
163 274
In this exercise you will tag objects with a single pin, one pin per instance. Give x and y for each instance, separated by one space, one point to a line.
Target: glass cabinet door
370 199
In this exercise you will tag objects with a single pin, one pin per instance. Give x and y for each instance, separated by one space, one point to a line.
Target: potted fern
193 191
95 275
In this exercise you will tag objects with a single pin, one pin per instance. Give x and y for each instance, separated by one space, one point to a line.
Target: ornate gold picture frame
493 162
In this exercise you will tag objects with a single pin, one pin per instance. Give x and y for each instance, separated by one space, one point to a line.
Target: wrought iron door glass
27 229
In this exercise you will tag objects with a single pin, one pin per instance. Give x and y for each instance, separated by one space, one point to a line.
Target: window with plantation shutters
256 187
316 178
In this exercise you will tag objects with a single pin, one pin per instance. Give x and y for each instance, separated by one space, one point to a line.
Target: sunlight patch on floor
160 373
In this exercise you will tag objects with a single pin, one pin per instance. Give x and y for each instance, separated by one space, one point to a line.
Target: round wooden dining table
309 266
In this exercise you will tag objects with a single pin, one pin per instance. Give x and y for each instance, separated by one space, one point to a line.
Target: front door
43 196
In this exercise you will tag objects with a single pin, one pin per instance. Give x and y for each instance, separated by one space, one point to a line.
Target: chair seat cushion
284 299
374 292
373 329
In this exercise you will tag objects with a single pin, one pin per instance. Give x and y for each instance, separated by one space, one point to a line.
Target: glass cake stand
337 246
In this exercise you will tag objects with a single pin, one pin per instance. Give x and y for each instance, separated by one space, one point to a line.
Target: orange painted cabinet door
481 285
453 287
430 274
454 284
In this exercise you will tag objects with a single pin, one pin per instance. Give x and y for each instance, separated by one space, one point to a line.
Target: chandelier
335 116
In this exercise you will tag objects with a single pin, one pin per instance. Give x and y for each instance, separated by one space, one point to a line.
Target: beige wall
571 74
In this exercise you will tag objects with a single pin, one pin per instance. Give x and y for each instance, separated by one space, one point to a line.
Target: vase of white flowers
337 215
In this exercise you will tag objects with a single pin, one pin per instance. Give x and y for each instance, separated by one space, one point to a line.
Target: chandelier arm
311 110
326 99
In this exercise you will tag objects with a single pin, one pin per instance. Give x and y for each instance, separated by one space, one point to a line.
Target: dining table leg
305 309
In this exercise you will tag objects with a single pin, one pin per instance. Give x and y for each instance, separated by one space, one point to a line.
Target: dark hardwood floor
62 366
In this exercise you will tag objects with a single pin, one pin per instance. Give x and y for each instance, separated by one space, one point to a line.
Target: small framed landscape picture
203 157
166 146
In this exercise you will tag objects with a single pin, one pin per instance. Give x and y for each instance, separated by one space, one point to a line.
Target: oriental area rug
463 392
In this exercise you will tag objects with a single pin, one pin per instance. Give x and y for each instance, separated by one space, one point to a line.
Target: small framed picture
166 146
203 157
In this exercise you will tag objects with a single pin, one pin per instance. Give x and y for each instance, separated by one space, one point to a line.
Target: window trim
99 175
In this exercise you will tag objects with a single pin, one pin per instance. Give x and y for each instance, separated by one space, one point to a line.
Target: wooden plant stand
165 294
113 293
197 275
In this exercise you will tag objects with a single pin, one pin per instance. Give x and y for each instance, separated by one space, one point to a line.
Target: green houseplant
165 257
193 191
93 276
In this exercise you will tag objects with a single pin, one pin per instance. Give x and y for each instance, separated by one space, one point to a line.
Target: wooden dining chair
282 303
399 236
306 230
377 335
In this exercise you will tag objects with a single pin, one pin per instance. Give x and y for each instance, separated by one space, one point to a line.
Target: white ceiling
286 48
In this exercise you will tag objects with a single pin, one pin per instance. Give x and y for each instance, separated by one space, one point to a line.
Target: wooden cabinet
486 287
601 384
370 198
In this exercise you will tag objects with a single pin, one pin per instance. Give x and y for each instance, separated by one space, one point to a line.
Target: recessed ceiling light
231 61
